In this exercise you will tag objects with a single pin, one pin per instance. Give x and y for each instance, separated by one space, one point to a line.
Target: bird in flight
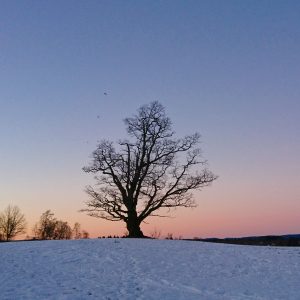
105 94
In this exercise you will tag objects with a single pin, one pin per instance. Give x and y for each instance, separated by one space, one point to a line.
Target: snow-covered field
147 269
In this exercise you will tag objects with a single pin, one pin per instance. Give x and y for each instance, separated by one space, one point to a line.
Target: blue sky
227 69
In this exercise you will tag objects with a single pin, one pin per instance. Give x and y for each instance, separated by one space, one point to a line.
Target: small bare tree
12 223
150 171
85 234
45 228
49 228
76 231
62 231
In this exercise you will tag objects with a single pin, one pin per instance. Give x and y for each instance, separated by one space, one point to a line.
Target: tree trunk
133 226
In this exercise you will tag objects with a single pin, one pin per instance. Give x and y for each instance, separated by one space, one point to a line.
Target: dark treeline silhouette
269 240
112 237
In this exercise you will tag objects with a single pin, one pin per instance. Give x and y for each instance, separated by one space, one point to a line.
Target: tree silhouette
49 228
12 222
45 228
149 171
77 231
62 231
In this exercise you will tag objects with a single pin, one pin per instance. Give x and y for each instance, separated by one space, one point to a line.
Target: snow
147 269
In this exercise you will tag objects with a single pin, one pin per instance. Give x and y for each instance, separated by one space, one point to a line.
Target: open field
147 269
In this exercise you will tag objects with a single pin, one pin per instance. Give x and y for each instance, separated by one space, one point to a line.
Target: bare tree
62 231
77 231
85 234
149 171
45 228
12 223
49 228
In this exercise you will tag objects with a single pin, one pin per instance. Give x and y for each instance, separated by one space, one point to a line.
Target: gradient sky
227 69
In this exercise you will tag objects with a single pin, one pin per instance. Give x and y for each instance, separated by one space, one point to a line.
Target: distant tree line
269 240
13 223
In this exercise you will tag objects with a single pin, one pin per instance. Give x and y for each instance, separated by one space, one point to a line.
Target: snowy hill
147 269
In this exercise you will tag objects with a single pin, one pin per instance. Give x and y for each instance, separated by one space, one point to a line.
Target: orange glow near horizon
214 217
